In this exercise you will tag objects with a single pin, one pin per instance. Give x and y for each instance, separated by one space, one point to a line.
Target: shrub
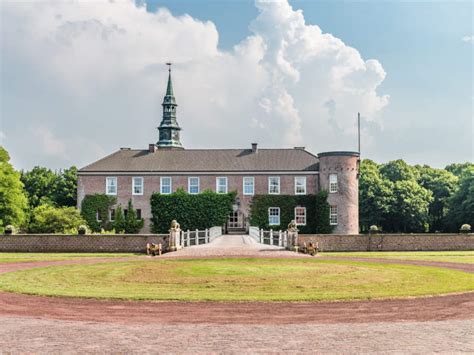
317 211
129 224
97 205
82 229
200 211
50 219
465 228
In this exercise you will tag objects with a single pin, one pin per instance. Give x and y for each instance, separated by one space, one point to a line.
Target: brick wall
390 242
80 243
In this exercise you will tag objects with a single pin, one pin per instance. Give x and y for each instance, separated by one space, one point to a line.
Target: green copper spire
169 127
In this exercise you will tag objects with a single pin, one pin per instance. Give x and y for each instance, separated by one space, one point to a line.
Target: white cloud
468 39
95 72
49 143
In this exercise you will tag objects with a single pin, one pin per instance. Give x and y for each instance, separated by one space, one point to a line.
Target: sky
81 79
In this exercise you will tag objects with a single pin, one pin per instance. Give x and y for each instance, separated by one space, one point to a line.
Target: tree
132 223
13 201
65 189
397 170
375 195
442 184
461 204
50 219
119 220
39 184
409 211
459 168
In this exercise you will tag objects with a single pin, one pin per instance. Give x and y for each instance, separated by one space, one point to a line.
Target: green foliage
98 203
132 223
119 220
129 224
13 201
442 184
458 169
65 190
461 203
200 211
317 211
397 170
375 195
39 185
50 219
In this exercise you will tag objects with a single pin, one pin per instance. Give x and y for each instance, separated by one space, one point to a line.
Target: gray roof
206 160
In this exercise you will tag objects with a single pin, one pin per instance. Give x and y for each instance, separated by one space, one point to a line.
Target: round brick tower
339 175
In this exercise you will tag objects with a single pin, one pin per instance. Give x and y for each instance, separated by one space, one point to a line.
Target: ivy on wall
199 211
317 211
98 203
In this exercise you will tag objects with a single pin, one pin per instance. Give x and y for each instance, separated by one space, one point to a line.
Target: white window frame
134 185
303 216
161 185
112 214
333 217
296 185
333 185
107 185
217 184
250 178
270 186
270 215
198 185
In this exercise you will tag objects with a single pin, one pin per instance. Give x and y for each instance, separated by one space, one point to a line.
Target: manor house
167 166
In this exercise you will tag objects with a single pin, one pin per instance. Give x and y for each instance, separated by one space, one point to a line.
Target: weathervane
169 66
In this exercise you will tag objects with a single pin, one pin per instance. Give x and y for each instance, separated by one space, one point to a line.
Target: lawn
466 257
238 280
28 257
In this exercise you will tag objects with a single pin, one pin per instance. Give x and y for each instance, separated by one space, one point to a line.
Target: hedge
199 211
91 204
317 211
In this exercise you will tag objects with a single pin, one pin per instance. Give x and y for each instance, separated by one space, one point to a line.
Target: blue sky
429 68
415 97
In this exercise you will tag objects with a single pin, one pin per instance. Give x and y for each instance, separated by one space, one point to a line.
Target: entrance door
236 222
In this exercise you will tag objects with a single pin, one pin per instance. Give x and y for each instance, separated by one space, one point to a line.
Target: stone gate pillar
175 232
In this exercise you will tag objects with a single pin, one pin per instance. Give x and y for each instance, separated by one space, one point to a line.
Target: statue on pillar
175 232
292 234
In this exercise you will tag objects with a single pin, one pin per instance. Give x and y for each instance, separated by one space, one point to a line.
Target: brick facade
92 184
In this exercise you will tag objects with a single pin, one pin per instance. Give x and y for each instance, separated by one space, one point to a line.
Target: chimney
151 148
254 147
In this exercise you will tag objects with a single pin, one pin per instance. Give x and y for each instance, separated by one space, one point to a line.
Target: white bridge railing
270 237
198 237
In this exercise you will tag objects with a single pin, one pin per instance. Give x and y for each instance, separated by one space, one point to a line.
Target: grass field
466 257
28 257
238 280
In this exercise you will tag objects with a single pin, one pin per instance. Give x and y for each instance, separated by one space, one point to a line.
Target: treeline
398 197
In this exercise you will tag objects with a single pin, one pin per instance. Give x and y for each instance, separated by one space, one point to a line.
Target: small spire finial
169 66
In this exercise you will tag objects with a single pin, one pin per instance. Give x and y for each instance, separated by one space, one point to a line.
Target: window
300 216
274 216
112 215
139 213
300 185
137 186
111 186
274 185
193 185
98 216
332 183
221 185
333 215
125 213
249 183
165 185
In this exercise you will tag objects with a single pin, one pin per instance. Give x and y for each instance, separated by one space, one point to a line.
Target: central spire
169 128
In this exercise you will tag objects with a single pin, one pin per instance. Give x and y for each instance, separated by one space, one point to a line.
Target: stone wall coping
390 235
83 235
